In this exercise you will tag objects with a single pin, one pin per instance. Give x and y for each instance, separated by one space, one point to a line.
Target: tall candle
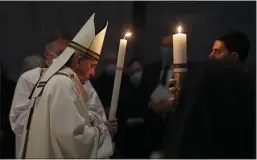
179 48
179 62
118 77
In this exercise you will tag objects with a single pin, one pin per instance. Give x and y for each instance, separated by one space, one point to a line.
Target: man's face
87 68
219 50
55 49
135 67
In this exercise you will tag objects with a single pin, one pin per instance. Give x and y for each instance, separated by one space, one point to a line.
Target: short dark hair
236 41
58 34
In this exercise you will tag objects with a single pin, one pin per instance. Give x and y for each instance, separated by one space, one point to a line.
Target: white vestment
96 110
20 103
60 125
20 107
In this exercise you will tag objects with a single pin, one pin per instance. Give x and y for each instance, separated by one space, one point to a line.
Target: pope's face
87 68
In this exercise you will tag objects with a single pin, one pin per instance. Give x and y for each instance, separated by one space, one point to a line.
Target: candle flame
179 29
128 34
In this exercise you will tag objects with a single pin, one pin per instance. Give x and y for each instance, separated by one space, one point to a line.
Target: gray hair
74 56
31 62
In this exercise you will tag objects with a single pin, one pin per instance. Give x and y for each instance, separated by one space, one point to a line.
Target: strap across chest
73 76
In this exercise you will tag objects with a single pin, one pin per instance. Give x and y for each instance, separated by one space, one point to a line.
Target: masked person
56 43
103 85
31 62
58 111
135 70
166 73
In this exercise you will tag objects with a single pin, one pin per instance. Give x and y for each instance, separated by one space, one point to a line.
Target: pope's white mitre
85 42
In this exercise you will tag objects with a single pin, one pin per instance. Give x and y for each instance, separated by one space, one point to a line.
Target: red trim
44 65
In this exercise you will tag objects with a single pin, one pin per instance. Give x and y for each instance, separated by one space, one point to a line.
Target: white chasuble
60 125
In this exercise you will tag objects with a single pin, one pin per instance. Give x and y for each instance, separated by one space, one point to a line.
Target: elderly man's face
87 68
219 50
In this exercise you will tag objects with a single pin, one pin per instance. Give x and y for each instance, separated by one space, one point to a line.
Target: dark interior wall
28 23
24 26
202 22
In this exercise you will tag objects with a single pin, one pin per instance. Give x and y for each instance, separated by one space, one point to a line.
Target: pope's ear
77 60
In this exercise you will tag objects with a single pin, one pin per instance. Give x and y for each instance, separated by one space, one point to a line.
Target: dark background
24 26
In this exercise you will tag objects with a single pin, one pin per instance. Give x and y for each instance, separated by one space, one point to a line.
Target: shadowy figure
7 135
215 116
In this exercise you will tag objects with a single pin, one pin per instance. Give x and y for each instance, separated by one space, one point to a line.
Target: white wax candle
179 48
117 80
121 55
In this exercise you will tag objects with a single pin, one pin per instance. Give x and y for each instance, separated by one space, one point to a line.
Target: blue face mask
166 54
110 70
136 78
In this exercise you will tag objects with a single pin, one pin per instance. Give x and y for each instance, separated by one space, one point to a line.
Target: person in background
166 72
232 45
31 62
216 112
103 84
135 71
208 80
129 139
158 73
55 45
134 136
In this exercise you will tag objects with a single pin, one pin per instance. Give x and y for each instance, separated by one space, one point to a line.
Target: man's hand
162 106
112 125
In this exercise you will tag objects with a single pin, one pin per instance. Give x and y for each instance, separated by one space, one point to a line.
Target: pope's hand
112 125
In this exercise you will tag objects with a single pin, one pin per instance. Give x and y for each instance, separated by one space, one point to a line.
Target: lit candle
179 47
118 76
179 62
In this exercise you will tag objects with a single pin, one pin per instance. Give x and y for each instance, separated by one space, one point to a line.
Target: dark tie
163 80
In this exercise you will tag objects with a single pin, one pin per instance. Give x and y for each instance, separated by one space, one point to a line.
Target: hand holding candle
118 76
179 60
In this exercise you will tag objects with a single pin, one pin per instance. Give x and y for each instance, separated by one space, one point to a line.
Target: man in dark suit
216 110
7 136
215 117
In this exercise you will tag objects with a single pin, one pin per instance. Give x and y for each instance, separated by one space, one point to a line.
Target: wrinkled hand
112 125
162 106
